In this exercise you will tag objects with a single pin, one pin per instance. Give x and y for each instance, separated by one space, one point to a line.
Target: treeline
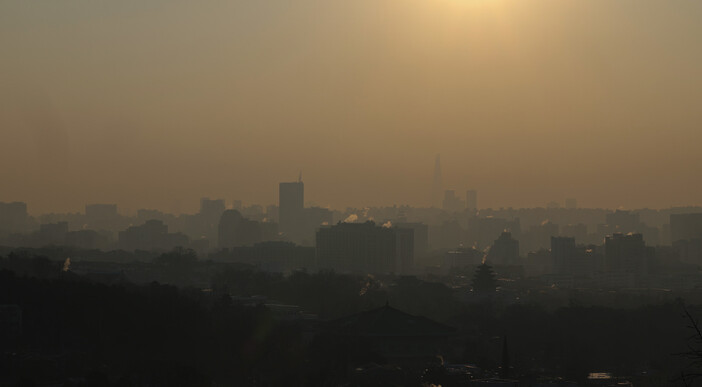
141 335
60 253
566 341
159 334
331 295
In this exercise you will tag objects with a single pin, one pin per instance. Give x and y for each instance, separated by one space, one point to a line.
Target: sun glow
474 25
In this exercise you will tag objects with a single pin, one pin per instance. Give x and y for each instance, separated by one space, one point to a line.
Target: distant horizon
129 211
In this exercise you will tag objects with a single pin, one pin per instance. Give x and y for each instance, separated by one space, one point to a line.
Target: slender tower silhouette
291 204
437 188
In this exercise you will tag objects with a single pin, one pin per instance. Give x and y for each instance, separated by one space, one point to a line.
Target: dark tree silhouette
694 369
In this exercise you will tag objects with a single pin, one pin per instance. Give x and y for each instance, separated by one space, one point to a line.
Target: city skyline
190 205
495 193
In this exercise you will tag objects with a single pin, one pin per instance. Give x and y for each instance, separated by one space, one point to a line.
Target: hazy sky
156 103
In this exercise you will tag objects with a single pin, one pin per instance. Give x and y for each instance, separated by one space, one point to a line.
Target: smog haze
155 104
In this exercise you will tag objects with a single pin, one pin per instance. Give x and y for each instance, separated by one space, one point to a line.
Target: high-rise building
404 250
313 219
472 200
563 253
421 236
291 202
571 204
577 231
625 253
365 248
624 221
205 223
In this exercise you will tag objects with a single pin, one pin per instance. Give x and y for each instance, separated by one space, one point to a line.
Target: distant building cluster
365 248
561 244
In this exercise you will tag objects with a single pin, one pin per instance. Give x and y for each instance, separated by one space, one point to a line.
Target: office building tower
563 253
421 236
624 221
291 201
625 253
365 248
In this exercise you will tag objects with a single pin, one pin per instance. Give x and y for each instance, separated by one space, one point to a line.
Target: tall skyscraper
291 202
437 188
563 253
207 220
365 248
472 200
421 236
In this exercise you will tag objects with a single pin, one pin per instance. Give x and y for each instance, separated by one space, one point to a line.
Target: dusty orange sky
155 104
